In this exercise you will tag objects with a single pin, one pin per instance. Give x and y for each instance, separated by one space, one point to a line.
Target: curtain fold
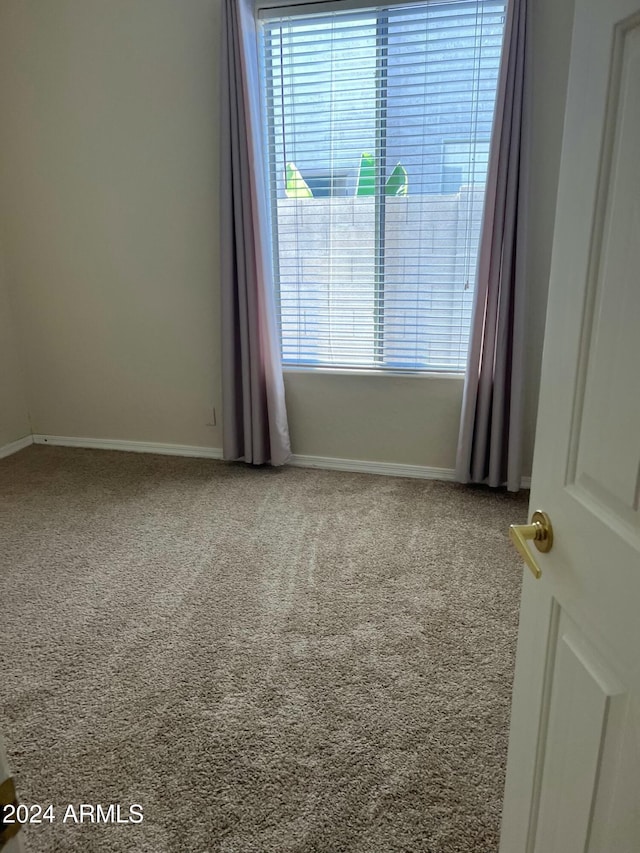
490 439
255 427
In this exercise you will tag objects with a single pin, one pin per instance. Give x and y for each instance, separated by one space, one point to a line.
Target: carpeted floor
268 661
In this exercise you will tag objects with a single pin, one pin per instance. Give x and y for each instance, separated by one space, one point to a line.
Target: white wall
108 172
14 417
403 419
108 212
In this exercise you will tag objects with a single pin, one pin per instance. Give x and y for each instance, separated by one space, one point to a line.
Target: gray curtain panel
254 420
490 440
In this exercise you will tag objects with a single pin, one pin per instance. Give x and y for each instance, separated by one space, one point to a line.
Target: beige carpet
268 661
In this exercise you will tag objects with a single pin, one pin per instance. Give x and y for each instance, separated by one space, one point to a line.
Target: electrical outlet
213 422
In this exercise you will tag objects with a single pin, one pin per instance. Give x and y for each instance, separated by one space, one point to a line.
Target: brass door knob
540 532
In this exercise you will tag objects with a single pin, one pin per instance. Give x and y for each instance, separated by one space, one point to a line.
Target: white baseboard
327 462
15 446
330 463
130 446
390 469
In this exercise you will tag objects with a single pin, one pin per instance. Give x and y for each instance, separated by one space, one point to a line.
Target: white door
9 841
573 775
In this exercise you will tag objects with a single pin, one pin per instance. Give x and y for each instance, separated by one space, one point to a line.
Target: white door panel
573 776
607 450
579 730
15 843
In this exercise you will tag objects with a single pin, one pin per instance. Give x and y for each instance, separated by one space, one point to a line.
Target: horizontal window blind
377 130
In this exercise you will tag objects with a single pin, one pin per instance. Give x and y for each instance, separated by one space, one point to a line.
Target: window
377 128
464 163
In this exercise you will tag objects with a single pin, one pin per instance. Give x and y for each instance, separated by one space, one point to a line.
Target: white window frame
291 8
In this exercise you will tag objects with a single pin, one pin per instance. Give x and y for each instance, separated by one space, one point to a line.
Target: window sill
355 371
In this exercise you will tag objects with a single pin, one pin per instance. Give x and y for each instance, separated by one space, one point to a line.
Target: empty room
319 417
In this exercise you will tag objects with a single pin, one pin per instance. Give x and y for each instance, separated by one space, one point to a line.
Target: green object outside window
367 175
295 185
398 182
